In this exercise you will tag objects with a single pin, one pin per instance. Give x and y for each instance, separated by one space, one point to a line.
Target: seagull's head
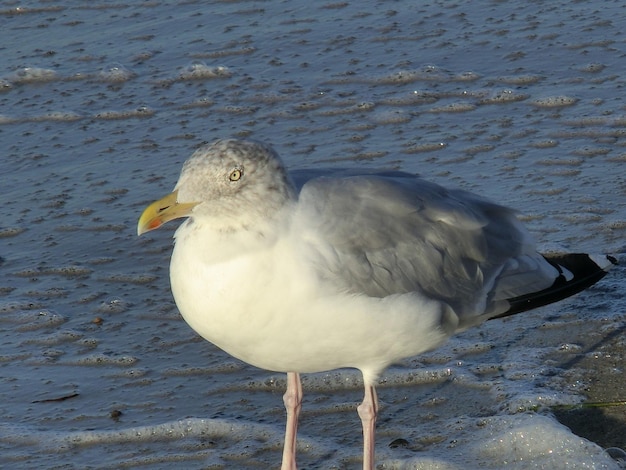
223 183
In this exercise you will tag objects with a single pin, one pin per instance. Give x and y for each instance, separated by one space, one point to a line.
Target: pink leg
367 412
293 403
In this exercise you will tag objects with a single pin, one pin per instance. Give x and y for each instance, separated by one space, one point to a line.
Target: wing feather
383 235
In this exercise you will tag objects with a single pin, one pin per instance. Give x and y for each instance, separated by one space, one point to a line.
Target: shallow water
100 105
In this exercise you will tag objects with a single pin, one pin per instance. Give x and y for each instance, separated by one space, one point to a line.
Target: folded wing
382 235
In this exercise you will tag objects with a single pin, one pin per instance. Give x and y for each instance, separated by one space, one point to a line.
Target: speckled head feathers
231 176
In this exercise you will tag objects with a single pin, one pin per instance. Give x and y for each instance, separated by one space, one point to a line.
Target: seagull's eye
236 174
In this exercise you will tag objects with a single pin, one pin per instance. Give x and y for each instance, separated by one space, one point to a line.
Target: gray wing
383 235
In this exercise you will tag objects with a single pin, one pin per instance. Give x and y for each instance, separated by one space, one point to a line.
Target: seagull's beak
163 210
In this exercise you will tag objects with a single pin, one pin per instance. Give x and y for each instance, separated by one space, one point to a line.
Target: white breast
258 300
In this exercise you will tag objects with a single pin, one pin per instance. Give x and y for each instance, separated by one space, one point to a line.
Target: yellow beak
162 211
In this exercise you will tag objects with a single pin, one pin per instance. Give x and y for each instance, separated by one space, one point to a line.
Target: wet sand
603 418
100 104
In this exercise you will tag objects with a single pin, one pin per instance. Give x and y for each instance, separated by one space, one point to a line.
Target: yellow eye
236 174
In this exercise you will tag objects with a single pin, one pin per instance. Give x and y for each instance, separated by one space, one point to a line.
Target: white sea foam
524 441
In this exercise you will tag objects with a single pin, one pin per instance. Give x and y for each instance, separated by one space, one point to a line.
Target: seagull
345 270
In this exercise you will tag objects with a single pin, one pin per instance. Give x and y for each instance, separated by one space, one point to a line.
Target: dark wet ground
602 419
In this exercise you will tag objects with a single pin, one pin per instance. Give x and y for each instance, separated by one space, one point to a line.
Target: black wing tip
612 260
581 263
577 272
